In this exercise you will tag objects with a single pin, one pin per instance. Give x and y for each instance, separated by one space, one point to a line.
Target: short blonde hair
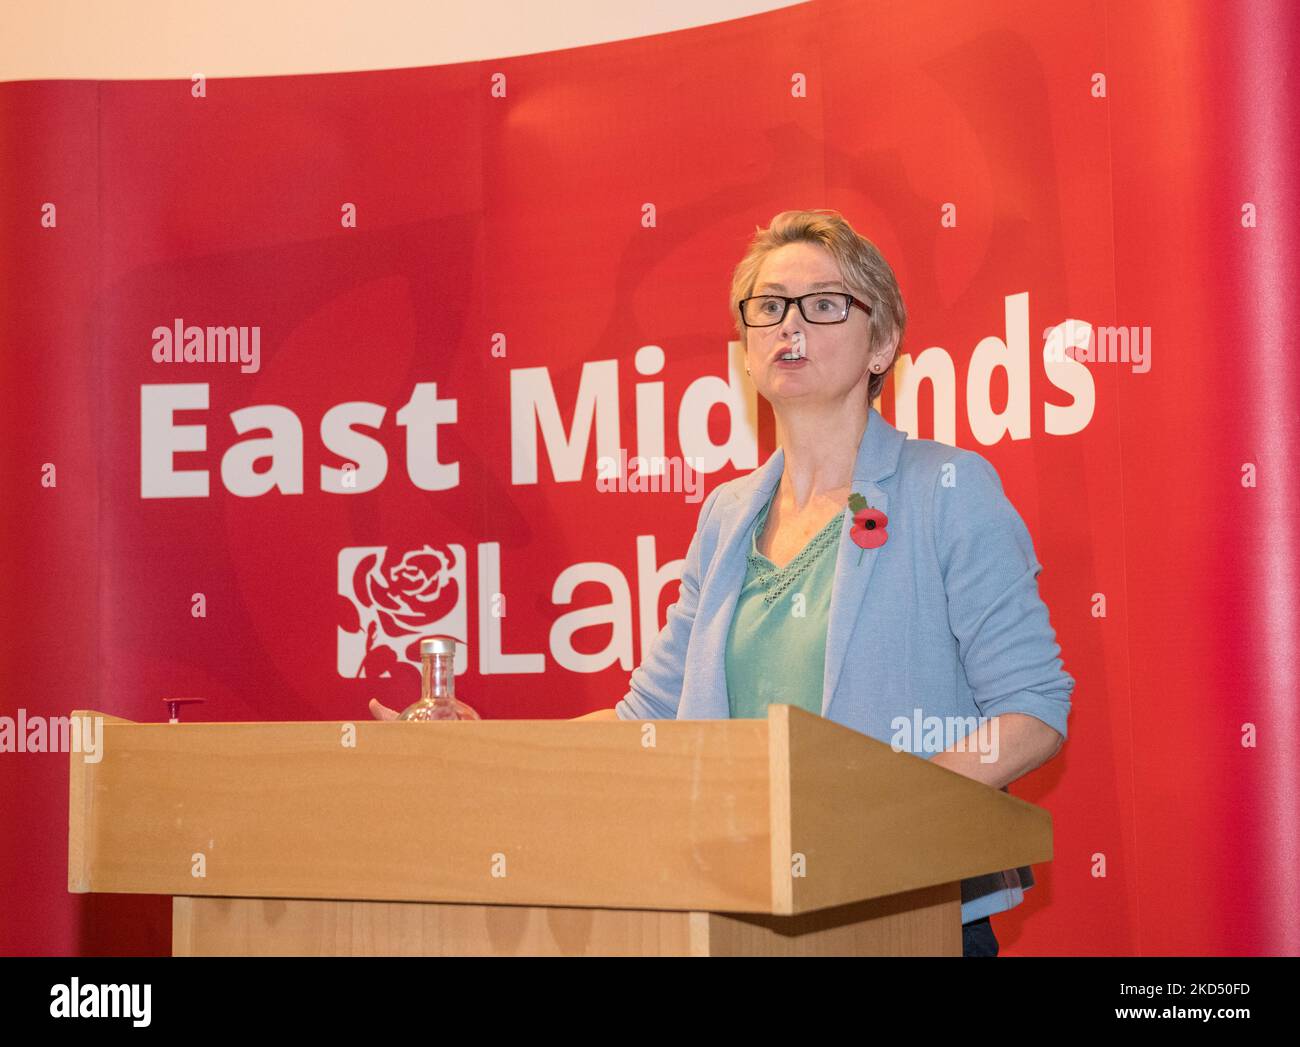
865 271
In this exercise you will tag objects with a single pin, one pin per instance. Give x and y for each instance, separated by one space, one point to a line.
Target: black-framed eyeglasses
819 307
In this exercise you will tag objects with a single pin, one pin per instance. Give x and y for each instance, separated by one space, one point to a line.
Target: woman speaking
873 580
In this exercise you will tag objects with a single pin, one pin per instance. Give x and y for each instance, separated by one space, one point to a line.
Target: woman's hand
599 714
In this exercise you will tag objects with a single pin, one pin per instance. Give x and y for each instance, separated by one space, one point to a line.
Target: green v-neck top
776 648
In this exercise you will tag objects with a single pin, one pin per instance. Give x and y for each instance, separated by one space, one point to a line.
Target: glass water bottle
438 684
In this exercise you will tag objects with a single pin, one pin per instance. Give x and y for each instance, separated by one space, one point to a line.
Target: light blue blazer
943 620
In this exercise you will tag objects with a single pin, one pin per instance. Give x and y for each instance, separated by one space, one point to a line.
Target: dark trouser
977 938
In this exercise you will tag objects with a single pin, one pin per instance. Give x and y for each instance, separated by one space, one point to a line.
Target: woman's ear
881 359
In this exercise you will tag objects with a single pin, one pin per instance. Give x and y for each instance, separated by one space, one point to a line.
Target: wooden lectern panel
917 923
867 822
544 812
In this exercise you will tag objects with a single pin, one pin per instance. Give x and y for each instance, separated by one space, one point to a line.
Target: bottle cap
438 645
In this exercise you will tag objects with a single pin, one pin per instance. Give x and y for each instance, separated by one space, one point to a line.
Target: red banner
300 368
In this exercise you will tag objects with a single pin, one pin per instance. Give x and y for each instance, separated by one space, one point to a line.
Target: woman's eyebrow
781 287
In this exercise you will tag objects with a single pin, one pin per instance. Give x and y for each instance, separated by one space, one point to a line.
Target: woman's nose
793 320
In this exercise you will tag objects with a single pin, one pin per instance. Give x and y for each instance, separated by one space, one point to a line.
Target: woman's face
835 357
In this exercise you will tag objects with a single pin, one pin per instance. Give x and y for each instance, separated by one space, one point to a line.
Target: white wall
168 39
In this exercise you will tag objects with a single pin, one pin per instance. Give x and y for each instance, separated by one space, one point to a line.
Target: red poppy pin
868 525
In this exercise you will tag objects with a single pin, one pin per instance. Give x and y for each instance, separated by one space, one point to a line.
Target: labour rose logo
390 601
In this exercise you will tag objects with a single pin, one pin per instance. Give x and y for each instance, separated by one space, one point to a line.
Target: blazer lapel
853 566
877 459
704 684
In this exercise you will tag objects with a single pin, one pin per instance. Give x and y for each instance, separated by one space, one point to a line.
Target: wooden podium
787 836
